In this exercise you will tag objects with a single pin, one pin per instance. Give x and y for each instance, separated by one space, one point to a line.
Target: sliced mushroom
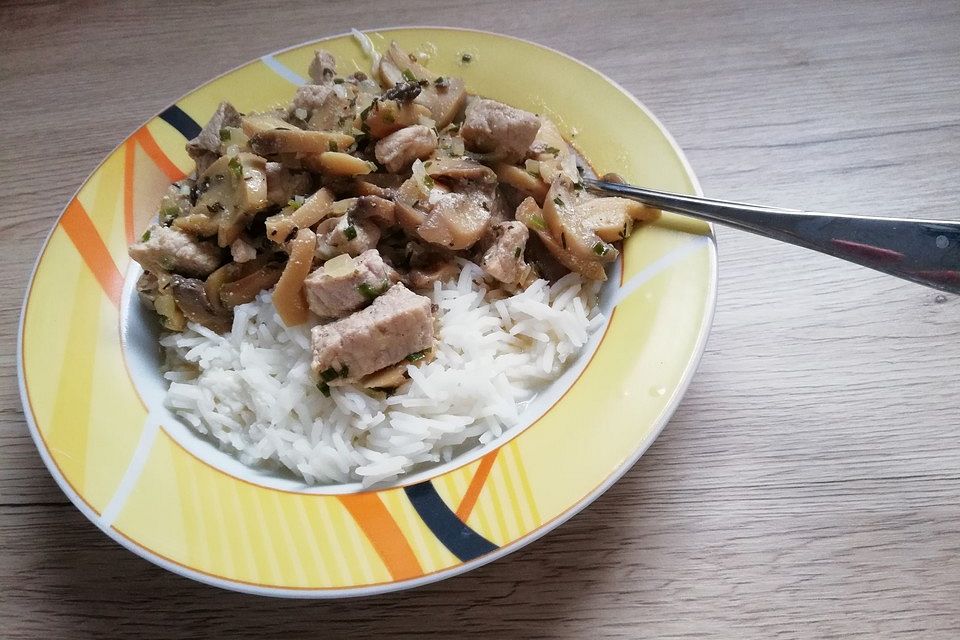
255 123
235 189
335 163
444 97
531 215
336 236
191 297
380 210
567 226
612 218
298 216
553 154
299 141
245 289
460 169
288 297
455 221
383 117
283 184
522 180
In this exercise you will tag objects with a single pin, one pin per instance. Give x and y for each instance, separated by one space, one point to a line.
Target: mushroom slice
261 122
567 225
233 190
191 297
299 141
522 180
455 221
298 215
335 163
531 215
612 218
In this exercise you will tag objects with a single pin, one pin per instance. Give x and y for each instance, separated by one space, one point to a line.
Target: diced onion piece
339 266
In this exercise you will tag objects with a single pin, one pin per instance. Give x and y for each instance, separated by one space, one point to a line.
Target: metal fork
923 251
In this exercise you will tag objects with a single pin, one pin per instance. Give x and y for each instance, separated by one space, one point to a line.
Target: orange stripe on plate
156 154
83 234
476 485
384 534
128 154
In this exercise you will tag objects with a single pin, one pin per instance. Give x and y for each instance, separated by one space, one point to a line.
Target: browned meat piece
169 249
205 148
496 129
345 284
345 235
503 258
283 184
397 324
323 67
402 147
456 221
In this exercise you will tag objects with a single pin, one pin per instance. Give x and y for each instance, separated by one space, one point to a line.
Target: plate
93 395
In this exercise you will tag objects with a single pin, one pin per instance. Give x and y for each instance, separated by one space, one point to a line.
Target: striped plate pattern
118 462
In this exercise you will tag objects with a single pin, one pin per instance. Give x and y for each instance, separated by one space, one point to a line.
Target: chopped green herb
441 82
169 213
427 180
418 355
216 207
344 371
293 205
224 134
516 253
557 201
551 150
145 236
324 388
537 222
455 127
426 165
338 81
366 112
329 374
578 186
599 249
370 292
623 233
332 146
467 57
408 75
388 117
350 233
235 168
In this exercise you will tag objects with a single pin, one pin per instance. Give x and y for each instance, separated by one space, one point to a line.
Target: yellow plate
93 395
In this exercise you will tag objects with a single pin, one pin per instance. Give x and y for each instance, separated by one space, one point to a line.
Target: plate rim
394 585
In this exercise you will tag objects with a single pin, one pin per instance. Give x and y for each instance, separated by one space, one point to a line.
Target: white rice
253 392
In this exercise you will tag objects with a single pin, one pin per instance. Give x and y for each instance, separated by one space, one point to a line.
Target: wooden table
808 486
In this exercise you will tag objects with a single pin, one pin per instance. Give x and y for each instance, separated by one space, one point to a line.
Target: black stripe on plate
461 540
179 120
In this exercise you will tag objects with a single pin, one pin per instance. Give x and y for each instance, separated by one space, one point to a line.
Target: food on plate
375 276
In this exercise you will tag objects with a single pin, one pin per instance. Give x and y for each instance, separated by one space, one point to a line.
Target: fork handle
923 251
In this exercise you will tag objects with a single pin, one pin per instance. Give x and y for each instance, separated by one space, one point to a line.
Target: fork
923 251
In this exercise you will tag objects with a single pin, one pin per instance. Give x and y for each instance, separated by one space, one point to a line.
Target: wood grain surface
808 486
